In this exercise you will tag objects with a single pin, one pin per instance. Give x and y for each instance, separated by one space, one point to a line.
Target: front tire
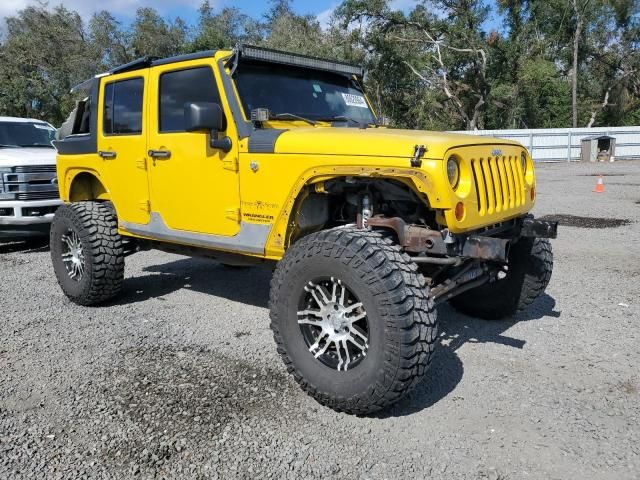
352 319
529 272
87 252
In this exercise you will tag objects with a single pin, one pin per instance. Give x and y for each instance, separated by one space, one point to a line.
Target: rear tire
392 347
87 252
530 267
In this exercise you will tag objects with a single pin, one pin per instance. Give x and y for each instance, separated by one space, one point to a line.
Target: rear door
122 143
194 187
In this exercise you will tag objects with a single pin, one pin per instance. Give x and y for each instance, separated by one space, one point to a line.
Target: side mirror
207 117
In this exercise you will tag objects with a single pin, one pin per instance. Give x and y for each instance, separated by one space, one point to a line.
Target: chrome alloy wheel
72 254
334 324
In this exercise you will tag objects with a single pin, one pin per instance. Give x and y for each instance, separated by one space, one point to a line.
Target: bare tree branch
605 101
479 60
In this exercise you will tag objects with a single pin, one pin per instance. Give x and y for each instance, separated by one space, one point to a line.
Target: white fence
563 144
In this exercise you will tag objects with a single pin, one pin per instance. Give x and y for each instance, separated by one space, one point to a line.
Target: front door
194 187
122 144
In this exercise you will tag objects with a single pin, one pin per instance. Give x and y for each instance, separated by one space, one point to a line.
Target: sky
187 9
124 10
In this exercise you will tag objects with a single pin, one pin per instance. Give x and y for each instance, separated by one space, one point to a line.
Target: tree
580 12
446 52
45 54
285 30
615 63
112 44
224 30
553 63
565 38
152 35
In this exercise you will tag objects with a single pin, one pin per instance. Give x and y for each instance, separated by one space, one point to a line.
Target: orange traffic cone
599 185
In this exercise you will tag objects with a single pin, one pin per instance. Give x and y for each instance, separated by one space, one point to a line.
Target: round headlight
453 172
523 160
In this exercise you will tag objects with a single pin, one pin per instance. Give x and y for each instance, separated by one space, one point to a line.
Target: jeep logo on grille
496 152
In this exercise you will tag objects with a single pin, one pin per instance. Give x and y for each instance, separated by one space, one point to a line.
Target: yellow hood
381 142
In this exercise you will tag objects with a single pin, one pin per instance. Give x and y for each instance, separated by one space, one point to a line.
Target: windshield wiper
343 118
36 145
292 116
2 145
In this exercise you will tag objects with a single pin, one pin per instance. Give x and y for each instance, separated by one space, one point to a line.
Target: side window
122 112
81 124
181 87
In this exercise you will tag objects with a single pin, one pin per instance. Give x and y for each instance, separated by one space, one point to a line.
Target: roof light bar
265 54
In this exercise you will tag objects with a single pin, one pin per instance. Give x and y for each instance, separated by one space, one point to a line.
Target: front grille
499 184
37 195
31 182
35 169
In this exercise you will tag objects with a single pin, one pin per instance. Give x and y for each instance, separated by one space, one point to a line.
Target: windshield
26 134
307 93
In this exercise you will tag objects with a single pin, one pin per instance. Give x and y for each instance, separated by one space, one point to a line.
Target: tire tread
494 301
408 312
98 229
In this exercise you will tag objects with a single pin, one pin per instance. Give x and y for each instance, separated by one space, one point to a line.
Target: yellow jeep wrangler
257 156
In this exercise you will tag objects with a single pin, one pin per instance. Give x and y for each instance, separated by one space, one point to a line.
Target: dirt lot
179 378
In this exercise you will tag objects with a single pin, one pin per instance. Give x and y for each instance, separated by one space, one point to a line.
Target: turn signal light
533 193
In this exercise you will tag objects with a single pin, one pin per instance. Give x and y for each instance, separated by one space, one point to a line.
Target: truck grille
35 169
30 182
37 195
499 184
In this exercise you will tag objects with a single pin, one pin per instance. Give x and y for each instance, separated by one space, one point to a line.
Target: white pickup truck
28 183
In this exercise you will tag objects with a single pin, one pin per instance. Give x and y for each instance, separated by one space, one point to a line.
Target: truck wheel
522 281
352 319
87 252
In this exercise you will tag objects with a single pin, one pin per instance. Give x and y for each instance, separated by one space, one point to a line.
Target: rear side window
181 87
82 120
122 113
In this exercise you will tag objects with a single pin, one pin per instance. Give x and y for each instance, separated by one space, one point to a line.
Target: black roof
145 62
242 50
149 61
136 64
183 58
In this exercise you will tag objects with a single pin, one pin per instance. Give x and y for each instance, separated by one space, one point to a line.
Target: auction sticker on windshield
354 100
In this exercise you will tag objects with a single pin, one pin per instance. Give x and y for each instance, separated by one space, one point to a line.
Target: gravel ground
179 377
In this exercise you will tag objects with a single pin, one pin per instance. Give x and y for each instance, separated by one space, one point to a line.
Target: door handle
160 154
107 154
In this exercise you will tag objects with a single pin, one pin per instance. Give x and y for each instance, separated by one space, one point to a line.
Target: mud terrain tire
530 267
98 272
400 316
